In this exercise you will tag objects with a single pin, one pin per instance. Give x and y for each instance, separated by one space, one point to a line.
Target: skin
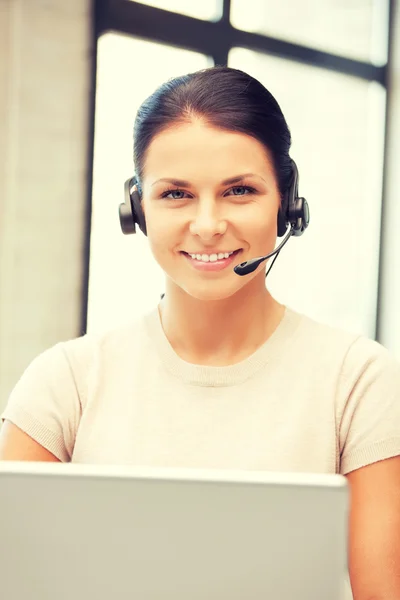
203 313
221 318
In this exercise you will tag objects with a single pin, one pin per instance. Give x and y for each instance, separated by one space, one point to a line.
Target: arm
15 444
374 528
43 412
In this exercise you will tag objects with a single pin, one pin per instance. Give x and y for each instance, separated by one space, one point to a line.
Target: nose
207 222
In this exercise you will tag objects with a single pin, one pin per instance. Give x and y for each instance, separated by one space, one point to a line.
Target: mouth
211 262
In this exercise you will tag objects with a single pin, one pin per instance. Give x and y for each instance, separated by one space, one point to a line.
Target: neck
219 332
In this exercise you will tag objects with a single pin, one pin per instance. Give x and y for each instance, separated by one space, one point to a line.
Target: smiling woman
219 374
178 133
206 215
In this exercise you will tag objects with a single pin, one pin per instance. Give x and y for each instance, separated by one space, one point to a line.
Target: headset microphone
293 213
249 266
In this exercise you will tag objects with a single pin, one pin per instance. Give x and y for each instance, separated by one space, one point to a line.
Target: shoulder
330 337
363 378
49 399
351 354
69 366
102 349
322 332
322 340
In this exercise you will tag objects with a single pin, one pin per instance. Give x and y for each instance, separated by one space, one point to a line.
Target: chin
214 287
212 293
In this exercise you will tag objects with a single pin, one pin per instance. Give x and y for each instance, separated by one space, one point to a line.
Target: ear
141 197
138 207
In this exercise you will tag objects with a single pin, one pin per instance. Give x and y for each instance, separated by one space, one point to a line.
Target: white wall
389 305
44 91
337 127
125 280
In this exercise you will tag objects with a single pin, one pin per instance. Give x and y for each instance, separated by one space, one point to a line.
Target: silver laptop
98 533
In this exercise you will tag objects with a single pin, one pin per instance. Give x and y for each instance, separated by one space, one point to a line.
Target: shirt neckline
221 376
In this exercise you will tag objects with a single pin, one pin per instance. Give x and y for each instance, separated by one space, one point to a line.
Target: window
335 108
337 126
206 9
124 277
353 28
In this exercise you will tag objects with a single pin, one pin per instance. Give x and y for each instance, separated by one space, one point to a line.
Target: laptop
85 532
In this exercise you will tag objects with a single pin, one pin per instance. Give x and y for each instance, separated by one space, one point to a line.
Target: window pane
208 10
124 277
337 126
353 28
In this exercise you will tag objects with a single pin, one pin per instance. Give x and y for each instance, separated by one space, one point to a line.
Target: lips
211 266
210 252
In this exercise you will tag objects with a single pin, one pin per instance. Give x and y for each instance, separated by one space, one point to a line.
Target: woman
220 374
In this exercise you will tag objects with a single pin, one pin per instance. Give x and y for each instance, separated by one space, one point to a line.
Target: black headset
294 211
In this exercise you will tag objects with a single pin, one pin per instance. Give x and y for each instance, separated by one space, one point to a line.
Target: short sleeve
369 406
46 403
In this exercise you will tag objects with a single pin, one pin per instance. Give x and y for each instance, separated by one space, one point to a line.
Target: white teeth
211 257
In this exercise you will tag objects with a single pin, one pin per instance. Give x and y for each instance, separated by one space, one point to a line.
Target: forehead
196 148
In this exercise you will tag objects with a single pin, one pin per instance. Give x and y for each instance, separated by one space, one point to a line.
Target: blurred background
73 74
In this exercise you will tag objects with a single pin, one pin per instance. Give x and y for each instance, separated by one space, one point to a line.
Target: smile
210 257
211 262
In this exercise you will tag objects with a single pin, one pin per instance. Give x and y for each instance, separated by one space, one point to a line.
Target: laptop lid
91 532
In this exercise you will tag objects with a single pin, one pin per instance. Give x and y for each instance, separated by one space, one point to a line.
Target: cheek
159 242
158 229
163 237
259 231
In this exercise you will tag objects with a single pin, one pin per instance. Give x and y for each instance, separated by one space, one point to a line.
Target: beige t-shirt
312 398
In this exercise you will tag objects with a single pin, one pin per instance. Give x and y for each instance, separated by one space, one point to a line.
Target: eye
175 191
240 190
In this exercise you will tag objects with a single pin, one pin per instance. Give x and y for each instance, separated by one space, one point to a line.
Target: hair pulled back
225 98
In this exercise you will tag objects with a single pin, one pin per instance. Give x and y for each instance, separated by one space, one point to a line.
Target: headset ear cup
299 216
126 216
282 223
131 212
297 213
138 211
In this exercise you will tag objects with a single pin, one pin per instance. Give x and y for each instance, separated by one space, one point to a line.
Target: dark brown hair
225 98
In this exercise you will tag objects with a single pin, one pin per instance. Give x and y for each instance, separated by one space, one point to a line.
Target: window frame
215 39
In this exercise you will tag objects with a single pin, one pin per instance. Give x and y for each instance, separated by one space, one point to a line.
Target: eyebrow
183 183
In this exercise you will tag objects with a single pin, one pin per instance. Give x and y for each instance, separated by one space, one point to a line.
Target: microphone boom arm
249 266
